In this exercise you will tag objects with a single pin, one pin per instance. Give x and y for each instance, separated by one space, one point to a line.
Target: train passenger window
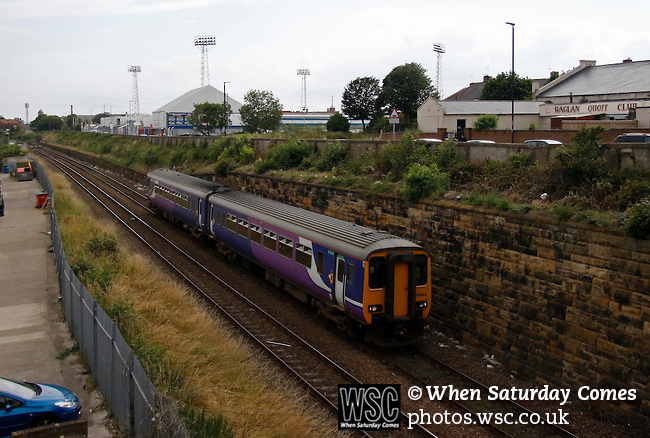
286 247
421 270
320 262
303 255
242 227
256 233
269 239
232 223
377 273
350 273
340 269
224 217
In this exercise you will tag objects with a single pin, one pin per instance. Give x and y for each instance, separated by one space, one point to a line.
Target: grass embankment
187 353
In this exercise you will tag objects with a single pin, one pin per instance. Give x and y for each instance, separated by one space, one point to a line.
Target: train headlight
421 304
374 308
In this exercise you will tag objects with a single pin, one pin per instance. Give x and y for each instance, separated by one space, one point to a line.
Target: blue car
24 405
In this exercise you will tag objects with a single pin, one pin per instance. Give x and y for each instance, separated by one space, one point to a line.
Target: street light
225 112
512 91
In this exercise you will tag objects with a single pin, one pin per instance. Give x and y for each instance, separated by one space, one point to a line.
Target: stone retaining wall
568 303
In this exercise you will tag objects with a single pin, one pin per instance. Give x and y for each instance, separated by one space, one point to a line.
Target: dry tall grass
189 354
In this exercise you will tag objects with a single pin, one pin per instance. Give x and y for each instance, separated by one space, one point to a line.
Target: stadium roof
186 102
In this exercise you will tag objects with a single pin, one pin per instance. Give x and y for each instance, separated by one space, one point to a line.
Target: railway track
313 368
442 381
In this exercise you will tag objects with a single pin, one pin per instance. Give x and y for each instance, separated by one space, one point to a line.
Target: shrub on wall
637 220
422 181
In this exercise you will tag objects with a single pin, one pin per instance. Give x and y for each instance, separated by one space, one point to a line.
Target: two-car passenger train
369 282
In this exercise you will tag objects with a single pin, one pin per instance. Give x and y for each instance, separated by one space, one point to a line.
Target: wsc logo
369 407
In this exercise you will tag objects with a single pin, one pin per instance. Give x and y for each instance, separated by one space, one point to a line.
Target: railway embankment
568 303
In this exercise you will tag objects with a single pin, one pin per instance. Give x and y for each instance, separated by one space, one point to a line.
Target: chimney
587 63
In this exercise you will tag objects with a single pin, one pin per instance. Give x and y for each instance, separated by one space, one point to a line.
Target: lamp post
512 91
225 112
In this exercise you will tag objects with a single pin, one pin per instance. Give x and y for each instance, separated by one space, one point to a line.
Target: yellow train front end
397 295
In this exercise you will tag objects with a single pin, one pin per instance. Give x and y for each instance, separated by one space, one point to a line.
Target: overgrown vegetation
220 387
578 185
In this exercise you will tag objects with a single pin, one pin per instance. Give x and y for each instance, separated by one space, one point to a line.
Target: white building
455 116
172 118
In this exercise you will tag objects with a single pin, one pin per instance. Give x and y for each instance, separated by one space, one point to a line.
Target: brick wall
567 303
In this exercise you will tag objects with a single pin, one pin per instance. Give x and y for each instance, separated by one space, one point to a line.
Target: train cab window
256 233
242 227
421 270
303 255
377 273
232 223
320 262
286 247
270 239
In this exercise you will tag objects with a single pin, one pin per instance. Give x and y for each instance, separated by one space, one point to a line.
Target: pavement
33 331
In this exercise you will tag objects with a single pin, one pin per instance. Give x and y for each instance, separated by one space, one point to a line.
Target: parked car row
634 137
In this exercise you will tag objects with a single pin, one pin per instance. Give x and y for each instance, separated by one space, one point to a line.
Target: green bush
284 156
488 200
394 159
637 220
105 244
422 181
582 162
447 156
333 155
486 121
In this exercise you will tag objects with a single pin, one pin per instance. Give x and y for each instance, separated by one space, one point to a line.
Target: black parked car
636 137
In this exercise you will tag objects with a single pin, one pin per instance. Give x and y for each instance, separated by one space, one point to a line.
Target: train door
339 280
400 287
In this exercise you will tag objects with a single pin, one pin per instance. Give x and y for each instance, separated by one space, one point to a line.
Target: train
370 283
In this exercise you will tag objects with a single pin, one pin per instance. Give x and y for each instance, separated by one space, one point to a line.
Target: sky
61 53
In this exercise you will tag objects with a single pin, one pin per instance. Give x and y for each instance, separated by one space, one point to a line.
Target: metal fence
129 394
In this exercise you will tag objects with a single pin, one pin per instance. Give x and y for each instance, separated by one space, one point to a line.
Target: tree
206 117
406 88
46 123
500 88
97 118
338 123
260 112
360 99
225 111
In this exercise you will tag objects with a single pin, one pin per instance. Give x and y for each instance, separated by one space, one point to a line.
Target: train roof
195 185
354 239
